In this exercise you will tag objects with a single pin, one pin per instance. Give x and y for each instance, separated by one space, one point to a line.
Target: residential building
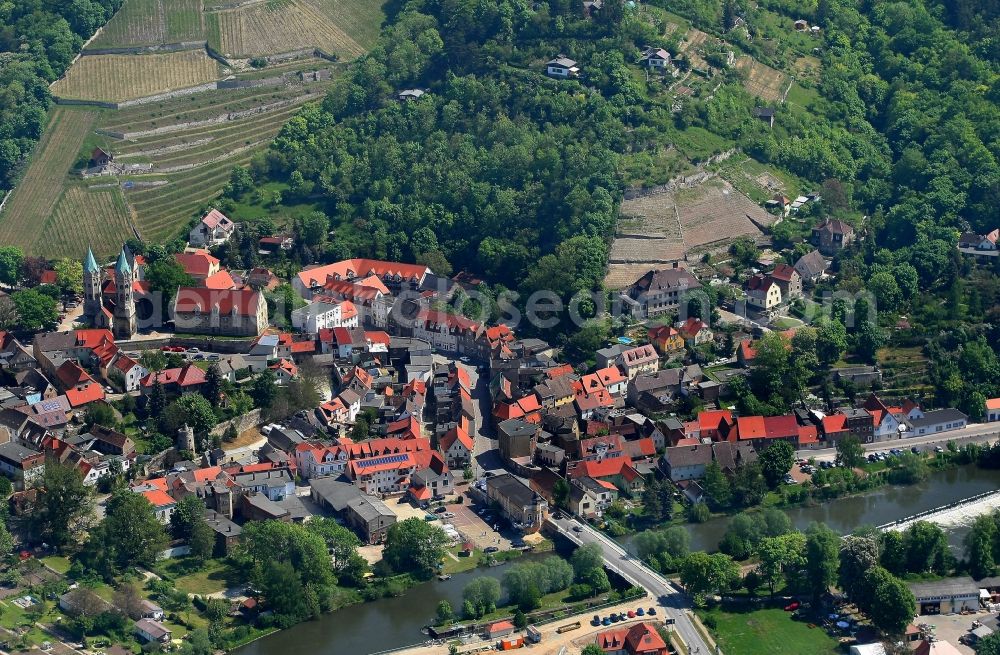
517 438
525 509
788 280
325 313
981 245
394 276
695 332
638 639
831 236
229 312
589 497
657 59
562 67
213 229
763 292
687 462
935 421
198 263
619 471
366 515
457 446
162 502
666 339
659 291
637 361
811 267
993 409
175 380
152 631
21 464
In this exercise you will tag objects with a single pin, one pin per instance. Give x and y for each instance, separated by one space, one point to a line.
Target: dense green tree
888 601
822 559
858 555
63 506
703 574
34 311
979 547
480 597
776 461
188 512
415 546
850 452
748 485
11 260
716 485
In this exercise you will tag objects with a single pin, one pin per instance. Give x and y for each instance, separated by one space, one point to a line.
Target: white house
132 371
935 421
152 631
315 462
562 67
656 59
457 447
325 313
215 228
993 409
284 371
163 504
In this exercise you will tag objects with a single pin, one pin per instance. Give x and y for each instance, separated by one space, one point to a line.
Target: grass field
767 632
283 25
65 232
152 22
114 78
35 197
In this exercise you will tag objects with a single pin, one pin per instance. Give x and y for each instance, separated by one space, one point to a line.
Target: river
877 507
396 622
372 627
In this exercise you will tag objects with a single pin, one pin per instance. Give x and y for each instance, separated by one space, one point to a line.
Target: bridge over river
675 604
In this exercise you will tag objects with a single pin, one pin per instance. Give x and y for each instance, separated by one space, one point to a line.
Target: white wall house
325 314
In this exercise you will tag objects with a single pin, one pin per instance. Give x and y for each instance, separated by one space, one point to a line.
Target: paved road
974 433
675 603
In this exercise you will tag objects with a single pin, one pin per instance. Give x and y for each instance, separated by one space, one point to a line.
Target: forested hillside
38 40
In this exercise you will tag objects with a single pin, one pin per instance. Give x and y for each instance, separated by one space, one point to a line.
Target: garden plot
763 81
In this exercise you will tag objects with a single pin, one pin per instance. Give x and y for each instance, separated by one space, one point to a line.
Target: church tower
124 323
92 303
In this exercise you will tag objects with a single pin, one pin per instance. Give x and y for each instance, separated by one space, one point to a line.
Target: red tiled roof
605 468
378 336
559 371
500 626
48 277
84 395
184 376
93 338
452 321
158 498
751 427
834 423
457 434
714 419
691 328
198 263
355 268
747 352
610 375
993 403
190 299
779 427
70 374
640 354
125 363
808 434
286 366
784 272
220 280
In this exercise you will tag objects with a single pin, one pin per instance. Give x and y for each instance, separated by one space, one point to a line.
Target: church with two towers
109 295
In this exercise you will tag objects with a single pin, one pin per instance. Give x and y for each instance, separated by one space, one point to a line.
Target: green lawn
214 576
767 632
786 323
463 563
56 563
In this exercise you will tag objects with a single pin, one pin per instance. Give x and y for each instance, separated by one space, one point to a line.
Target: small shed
100 157
499 629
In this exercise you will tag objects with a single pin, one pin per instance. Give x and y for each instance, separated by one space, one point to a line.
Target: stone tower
125 323
92 302
185 439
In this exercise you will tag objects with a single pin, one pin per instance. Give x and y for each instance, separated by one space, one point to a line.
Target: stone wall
241 423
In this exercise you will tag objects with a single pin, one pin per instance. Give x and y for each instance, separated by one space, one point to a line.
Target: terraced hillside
36 196
95 215
153 22
114 78
193 143
273 26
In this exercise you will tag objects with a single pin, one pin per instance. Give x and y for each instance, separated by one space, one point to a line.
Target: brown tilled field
661 228
716 212
762 81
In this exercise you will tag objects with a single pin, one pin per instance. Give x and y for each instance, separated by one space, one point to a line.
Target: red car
631 614
791 607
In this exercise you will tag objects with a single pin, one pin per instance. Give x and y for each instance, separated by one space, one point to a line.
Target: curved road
617 559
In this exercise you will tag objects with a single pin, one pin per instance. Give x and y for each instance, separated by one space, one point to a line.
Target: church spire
90 264
122 266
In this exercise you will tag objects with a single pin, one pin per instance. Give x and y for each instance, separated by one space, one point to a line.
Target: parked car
938 449
491 549
794 605
597 620
440 510
915 450
430 517
631 614
651 611
577 528
605 621
640 612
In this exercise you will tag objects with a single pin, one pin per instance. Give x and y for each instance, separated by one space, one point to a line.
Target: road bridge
675 604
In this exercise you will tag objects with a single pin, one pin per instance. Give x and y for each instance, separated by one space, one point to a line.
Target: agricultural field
763 81
759 181
276 26
35 197
114 78
153 22
96 217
